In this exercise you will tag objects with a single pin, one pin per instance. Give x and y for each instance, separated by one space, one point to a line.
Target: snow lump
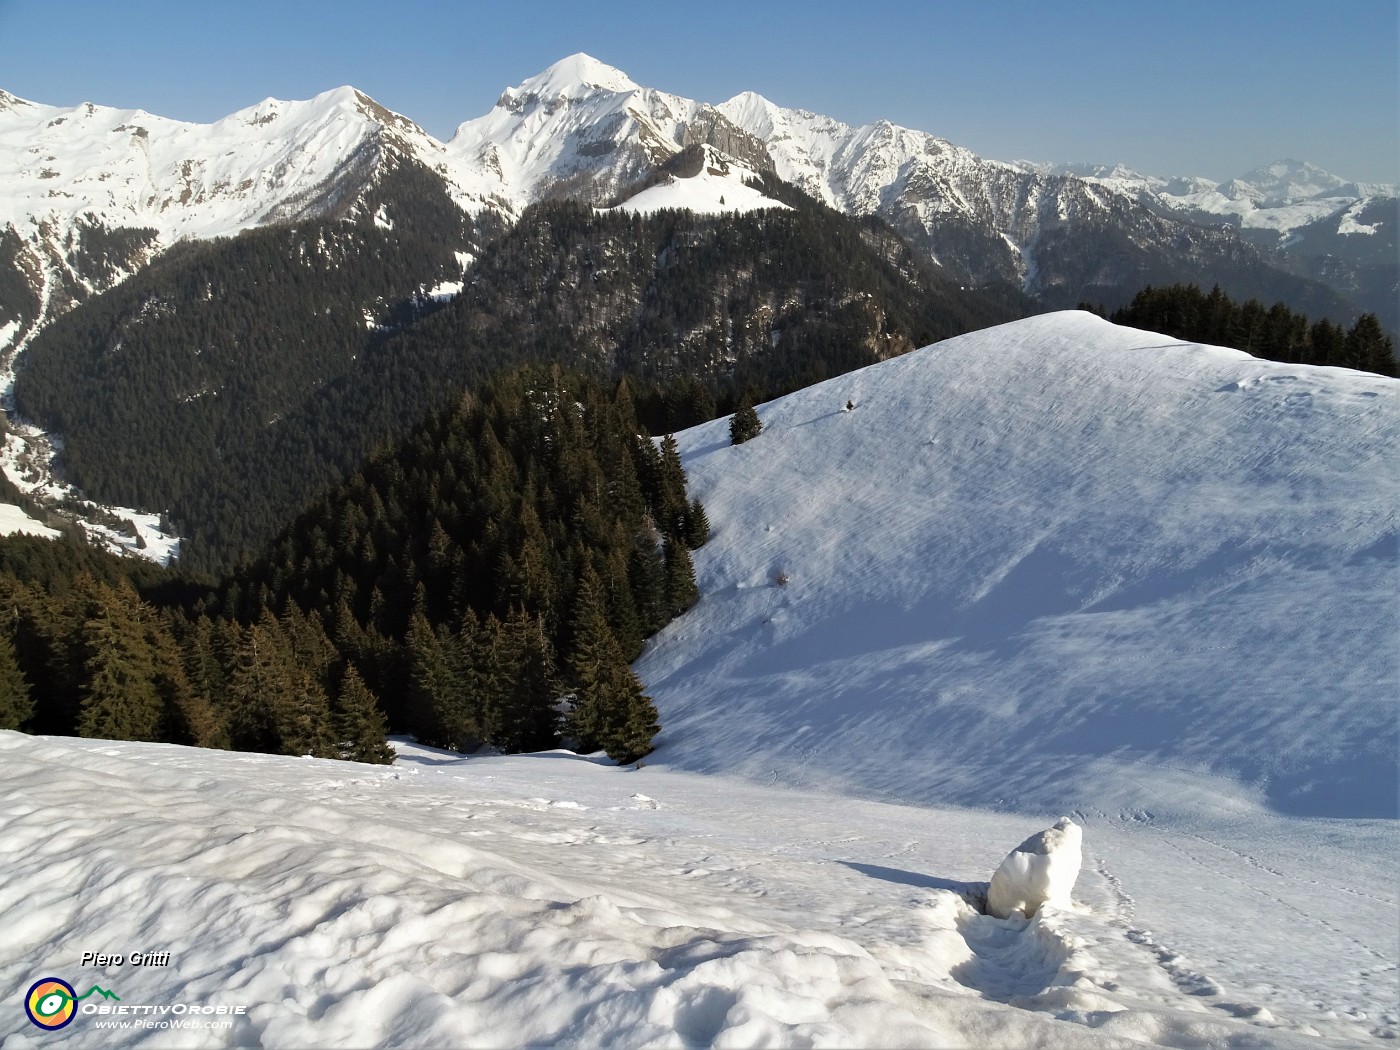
1040 870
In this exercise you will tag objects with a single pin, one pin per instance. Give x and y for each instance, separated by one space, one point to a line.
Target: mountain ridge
91 194
580 128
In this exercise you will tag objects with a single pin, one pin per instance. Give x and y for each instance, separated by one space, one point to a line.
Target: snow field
13 519
1058 565
445 901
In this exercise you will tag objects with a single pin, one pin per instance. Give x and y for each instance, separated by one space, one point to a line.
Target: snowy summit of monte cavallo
1101 617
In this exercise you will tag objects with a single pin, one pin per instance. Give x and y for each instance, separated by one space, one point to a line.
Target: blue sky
1169 87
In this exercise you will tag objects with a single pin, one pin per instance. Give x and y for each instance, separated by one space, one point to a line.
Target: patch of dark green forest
160 385
230 383
485 581
1275 333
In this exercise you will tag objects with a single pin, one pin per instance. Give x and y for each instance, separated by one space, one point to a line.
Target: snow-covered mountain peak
577 76
1287 181
755 114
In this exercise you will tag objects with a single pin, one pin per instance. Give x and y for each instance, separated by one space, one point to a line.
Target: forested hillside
231 382
527 539
185 365
485 581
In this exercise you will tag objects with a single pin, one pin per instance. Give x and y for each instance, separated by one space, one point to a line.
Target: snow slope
1056 566
720 186
13 519
550 900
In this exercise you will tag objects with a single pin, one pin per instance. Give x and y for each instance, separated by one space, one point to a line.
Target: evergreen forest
485 581
230 383
1275 333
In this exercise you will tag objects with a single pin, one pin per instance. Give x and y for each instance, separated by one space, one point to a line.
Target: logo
51 1003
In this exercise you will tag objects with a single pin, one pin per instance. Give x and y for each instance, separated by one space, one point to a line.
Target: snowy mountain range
580 129
1319 225
90 195
1281 197
1053 567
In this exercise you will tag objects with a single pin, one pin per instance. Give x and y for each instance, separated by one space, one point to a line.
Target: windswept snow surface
554 900
1057 565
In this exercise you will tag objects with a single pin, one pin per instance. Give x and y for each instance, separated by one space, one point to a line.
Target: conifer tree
302 715
360 726
119 696
671 505
15 703
744 425
648 578
1328 343
189 717
609 709
1368 348
46 635
256 676
681 592
697 525
527 718
442 708
425 702
203 668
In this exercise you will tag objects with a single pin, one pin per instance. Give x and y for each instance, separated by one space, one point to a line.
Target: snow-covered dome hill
1047 563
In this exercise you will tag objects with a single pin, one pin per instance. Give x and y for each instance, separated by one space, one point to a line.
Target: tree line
485 581
1275 333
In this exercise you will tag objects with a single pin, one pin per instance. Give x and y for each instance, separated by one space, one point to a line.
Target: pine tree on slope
609 711
744 425
15 703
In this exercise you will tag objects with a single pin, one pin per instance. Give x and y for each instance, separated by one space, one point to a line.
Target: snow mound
1041 870
1054 566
